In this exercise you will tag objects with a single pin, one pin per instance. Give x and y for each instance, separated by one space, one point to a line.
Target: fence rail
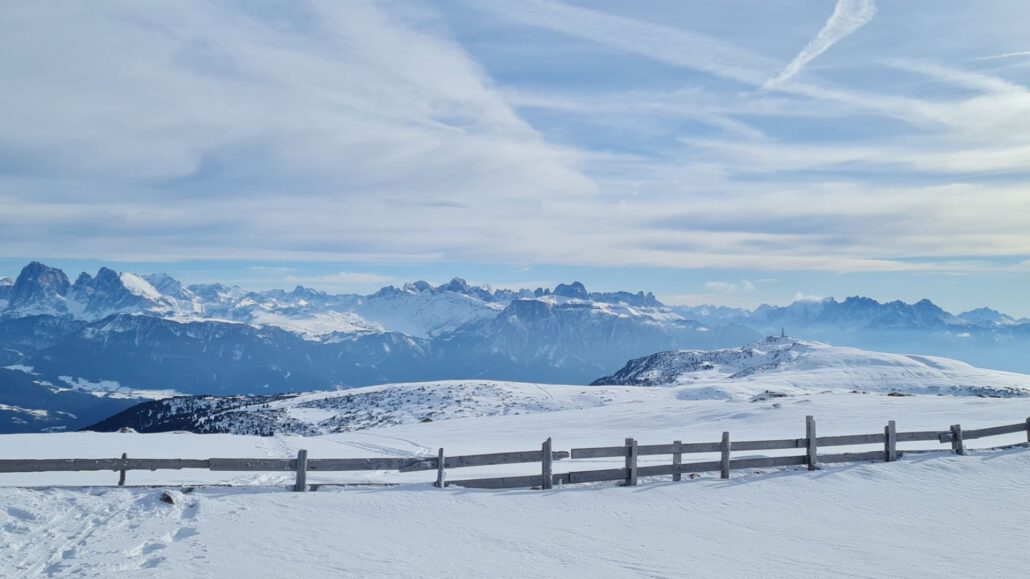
545 479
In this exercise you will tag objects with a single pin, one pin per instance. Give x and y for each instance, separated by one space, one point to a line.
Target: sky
733 152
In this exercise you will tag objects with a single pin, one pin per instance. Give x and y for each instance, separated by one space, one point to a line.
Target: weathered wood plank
766 462
494 458
631 462
60 464
440 472
677 459
586 476
121 474
743 445
724 461
347 464
693 447
657 470
852 456
707 466
644 449
254 464
956 439
469 460
599 452
166 463
851 439
812 442
546 474
98 464
922 435
508 482
301 485
993 431
890 445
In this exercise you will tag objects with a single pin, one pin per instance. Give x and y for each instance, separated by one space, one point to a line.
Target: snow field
934 516
927 515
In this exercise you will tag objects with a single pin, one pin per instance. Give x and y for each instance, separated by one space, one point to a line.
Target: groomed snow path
930 515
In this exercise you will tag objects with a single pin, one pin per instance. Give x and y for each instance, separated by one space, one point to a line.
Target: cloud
743 293
663 43
968 79
327 131
848 16
343 278
393 132
1017 54
271 269
724 287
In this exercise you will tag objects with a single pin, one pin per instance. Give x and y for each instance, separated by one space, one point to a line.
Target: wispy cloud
848 16
345 278
1016 54
368 133
958 77
665 43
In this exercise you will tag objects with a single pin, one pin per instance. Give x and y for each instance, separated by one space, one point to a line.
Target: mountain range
130 332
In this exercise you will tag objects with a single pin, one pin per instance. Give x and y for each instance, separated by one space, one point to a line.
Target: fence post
631 462
890 445
724 462
440 461
302 472
811 457
121 473
677 460
547 479
956 439
1028 429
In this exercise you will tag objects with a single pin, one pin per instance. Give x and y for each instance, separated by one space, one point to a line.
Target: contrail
1005 55
848 16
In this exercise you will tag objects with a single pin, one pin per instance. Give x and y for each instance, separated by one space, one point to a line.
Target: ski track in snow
383 450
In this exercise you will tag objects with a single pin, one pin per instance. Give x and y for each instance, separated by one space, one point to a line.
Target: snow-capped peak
139 286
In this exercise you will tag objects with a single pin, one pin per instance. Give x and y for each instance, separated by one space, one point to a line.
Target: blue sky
725 152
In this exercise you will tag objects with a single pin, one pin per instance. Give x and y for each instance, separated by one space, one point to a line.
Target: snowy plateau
927 515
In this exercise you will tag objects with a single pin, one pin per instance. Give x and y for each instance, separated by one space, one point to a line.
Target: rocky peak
572 290
40 286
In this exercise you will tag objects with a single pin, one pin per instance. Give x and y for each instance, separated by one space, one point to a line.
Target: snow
931 514
30 411
791 366
114 389
317 325
773 368
424 314
139 286
926 515
877 520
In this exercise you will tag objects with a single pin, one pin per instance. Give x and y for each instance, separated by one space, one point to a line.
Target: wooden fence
546 479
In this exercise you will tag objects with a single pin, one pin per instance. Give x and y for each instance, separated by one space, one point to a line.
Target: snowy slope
870 520
787 365
776 367
361 408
